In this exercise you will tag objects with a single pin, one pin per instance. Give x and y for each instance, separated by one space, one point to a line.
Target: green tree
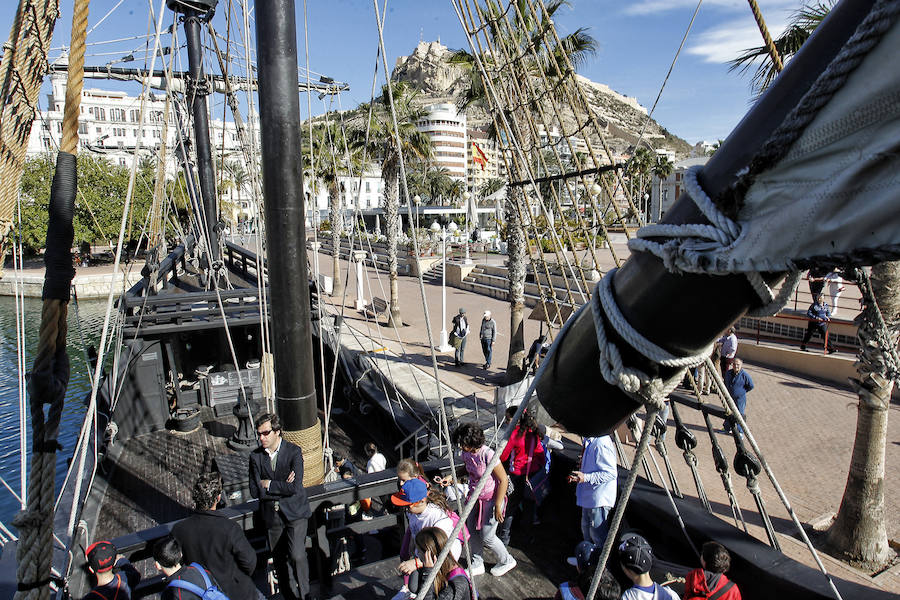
858 534
661 170
523 36
491 186
800 27
99 204
383 146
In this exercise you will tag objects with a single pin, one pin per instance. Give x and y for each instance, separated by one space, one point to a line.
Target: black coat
291 497
219 544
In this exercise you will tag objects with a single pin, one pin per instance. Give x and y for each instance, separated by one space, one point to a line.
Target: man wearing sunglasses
276 478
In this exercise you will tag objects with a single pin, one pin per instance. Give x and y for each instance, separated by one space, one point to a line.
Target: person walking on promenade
819 316
738 382
488 514
212 539
458 334
727 349
116 577
709 580
596 489
835 284
527 459
487 334
276 478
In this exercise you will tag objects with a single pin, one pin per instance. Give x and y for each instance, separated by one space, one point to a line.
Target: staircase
434 274
493 281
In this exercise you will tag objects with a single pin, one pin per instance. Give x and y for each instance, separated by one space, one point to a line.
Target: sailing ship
214 330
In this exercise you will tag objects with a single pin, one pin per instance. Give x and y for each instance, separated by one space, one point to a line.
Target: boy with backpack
189 582
709 582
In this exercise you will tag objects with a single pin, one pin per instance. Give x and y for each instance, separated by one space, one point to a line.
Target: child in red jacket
710 582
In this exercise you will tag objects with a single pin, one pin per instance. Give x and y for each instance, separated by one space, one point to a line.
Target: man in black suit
216 542
276 478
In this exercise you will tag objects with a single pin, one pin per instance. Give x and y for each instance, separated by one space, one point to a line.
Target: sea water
85 322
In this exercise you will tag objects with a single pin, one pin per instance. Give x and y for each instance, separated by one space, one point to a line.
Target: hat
487 314
462 311
412 491
635 553
101 556
586 555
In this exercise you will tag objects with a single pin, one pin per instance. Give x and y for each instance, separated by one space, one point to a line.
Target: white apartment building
663 194
110 125
369 195
447 131
493 168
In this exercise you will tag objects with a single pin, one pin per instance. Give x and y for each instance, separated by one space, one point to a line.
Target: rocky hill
620 116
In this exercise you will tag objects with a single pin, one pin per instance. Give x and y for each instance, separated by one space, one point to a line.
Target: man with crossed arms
276 478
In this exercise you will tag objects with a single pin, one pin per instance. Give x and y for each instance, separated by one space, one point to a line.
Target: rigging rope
22 71
767 38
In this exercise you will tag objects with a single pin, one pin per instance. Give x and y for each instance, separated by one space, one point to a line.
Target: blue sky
637 40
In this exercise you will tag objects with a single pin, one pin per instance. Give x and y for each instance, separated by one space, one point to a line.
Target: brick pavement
804 427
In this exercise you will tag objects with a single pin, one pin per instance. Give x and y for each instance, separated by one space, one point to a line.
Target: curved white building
447 131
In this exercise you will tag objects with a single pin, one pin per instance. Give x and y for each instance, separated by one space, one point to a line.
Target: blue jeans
595 524
487 348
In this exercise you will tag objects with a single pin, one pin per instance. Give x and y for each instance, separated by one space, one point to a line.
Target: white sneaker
503 568
478 569
403 594
572 561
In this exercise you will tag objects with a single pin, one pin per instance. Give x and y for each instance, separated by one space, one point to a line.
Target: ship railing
169 265
769 329
323 531
245 262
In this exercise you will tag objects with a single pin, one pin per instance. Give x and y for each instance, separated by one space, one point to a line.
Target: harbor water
85 322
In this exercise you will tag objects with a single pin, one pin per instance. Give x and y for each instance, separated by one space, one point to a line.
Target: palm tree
858 533
491 186
383 146
801 26
523 37
328 165
662 169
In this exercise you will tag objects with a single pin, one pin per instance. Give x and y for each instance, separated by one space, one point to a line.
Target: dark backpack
212 591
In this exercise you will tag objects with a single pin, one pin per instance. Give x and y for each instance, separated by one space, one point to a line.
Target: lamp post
444 341
417 201
466 197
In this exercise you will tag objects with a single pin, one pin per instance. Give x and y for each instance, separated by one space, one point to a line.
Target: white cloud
724 42
647 7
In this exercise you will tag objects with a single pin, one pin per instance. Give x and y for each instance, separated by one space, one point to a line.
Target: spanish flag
478 156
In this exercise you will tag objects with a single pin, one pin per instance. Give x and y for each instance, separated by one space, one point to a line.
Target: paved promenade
805 427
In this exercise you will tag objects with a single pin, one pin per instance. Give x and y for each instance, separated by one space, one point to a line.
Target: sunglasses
263 433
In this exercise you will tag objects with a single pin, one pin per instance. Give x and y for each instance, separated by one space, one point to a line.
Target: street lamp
466 197
444 340
417 200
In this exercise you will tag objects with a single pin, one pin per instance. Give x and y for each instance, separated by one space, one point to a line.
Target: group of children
430 522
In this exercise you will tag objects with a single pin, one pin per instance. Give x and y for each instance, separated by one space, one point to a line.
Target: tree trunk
392 217
858 533
516 252
337 225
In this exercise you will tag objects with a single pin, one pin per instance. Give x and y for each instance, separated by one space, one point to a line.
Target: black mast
664 306
195 12
279 112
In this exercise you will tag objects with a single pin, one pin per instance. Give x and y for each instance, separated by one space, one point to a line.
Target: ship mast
197 89
279 112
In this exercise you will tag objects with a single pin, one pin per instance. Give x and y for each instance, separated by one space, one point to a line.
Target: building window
368 187
82 129
156 116
99 113
122 161
99 131
117 115
156 133
135 116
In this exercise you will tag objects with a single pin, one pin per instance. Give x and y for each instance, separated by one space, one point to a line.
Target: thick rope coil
310 442
690 245
644 388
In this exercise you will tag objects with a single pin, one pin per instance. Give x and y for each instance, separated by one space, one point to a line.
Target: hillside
620 116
